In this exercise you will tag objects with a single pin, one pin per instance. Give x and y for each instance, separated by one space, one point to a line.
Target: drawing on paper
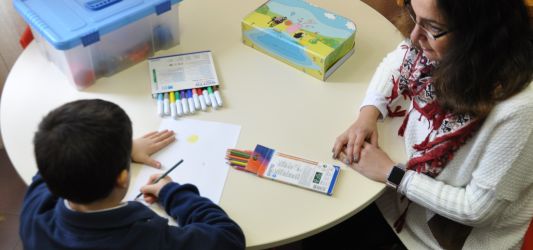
193 139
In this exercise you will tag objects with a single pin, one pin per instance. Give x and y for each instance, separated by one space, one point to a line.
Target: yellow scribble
192 139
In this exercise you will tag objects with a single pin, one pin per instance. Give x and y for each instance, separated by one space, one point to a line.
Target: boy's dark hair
81 148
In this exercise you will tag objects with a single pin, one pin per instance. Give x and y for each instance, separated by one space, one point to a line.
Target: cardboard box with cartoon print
300 34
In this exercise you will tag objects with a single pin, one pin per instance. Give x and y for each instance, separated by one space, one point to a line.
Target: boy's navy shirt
46 223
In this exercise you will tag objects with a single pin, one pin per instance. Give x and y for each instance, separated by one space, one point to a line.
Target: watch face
396 175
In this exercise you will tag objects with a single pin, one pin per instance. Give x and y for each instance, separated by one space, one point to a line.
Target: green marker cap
209 90
177 93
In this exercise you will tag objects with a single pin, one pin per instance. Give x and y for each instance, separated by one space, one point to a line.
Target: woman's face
429 17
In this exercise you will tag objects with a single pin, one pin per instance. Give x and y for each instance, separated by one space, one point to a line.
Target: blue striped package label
317 176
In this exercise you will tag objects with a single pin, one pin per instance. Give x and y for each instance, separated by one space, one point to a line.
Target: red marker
195 99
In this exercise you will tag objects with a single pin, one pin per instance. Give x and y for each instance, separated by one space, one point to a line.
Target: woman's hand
374 163
364 128
148 144
151 191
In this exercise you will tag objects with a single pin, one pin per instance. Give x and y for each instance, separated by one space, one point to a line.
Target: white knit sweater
488 184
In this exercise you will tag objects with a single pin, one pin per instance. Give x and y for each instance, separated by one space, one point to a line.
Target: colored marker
217 96
178 103
184 103
206 96
212 97
160 104
192 110
166 104
202 99
195 99
173 105
162 176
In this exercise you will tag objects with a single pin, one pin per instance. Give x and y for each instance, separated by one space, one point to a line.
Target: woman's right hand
353 138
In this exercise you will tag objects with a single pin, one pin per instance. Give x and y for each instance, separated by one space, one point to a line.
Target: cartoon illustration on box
300 34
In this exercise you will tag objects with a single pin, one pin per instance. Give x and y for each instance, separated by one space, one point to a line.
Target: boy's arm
203 224
37 199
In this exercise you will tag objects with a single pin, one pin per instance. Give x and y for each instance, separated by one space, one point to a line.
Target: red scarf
449 131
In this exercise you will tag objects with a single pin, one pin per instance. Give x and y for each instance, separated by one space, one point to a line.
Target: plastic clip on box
88 40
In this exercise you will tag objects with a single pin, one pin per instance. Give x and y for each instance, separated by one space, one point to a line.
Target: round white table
304 115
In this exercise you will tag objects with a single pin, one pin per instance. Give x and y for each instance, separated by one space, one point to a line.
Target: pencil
237 163
242 151
241 161
162 176
233 157
237 153
240 168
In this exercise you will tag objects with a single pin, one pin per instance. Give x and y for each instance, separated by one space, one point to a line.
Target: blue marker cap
160 96
189 93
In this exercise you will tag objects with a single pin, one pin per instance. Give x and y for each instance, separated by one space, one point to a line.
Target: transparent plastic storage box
88 40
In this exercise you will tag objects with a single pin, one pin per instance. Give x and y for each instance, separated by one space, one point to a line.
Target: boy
83 151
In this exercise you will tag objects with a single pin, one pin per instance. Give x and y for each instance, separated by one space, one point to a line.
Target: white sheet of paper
202 145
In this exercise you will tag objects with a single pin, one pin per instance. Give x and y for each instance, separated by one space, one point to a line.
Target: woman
468 134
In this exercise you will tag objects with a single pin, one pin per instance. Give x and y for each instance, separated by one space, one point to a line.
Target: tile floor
12 190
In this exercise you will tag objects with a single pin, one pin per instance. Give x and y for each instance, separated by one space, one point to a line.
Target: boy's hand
151 191
147 145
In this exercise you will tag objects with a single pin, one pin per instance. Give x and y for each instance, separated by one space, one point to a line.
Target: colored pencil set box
91 39
300 34
297 171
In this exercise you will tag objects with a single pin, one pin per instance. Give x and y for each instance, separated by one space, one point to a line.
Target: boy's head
82 147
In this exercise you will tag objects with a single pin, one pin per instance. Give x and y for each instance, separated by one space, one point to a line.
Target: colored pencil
237 163
240 168
230 159
237 153
237 157
242 151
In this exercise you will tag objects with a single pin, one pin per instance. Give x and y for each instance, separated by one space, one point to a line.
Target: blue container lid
67 24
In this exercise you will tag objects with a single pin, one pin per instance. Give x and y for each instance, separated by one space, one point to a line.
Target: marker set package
182 72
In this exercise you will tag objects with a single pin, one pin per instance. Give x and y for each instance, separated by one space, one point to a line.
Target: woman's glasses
431 31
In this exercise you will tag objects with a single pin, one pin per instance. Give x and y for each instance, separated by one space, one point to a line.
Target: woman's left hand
374 163
150 143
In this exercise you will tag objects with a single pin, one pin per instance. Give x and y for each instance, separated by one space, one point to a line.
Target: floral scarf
448 132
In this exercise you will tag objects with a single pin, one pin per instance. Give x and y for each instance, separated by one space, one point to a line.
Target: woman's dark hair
490 56
82 147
